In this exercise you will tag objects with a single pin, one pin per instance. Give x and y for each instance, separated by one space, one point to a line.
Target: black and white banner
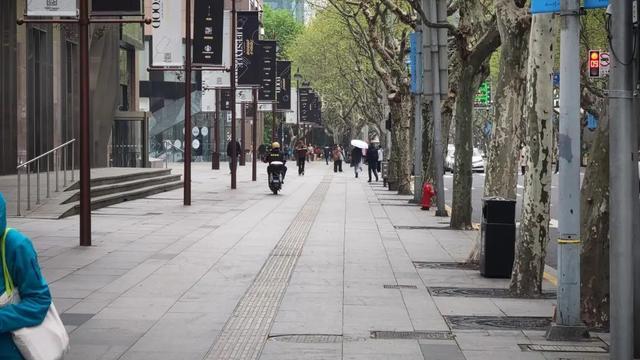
52 8
167 33
304 104
267 70
247 55
116 7
283 85
207 32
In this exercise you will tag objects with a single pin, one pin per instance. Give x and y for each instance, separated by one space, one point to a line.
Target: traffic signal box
594 63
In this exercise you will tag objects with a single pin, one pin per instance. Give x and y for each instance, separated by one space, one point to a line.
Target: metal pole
215 158
187 106
48 175
73 163
437 115
19 193
298 107
418 179
254 135
623 166
243 116
274 135
568 324
85 128
234 155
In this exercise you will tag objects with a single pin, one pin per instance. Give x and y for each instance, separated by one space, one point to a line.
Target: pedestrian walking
310 152
380 158
301 155
338 157
230 155
372 161
25 300
356 159
327 154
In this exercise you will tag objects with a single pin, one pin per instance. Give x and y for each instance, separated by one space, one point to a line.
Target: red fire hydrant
427 194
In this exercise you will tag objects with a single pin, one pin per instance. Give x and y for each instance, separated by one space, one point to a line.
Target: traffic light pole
623 182
568 324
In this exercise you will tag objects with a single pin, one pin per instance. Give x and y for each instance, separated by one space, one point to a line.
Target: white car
477 160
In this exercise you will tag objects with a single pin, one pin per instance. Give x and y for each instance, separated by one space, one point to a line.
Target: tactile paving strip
246 332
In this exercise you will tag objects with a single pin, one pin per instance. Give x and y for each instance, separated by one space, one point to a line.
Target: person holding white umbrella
356 154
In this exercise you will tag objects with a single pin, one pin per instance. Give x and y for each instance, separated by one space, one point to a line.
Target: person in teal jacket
22 263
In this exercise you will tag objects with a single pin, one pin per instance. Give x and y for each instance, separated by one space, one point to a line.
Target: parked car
477 161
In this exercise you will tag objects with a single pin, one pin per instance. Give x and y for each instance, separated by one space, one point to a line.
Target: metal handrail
56 164
45 154
171 146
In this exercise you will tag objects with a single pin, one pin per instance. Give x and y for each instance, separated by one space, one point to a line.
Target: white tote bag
47 341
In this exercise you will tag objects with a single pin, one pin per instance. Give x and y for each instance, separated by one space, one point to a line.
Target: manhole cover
564 348
400 287
483 293
445 265
458 322
413 335
307 339
403 227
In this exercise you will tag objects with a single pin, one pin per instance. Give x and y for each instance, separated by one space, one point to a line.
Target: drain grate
458 322
412 335
483 293
564 348
410 227
400 287
307 338
445 265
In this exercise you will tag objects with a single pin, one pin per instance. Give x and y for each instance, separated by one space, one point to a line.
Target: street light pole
623 181
187 106
85 128
234 152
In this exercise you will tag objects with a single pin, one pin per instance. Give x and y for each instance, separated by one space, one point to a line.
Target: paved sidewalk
312 273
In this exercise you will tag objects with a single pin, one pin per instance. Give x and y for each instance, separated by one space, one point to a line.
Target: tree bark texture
462 177
531 245
595 228
428 160
401 113
502 174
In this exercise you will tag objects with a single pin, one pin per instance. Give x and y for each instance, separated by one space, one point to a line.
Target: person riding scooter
277 155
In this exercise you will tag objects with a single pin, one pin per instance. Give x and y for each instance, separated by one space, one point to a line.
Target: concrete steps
109 187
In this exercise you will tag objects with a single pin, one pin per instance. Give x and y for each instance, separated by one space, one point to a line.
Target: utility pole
418 179
623 181
85 127
187 106
234 151
437 112
568 324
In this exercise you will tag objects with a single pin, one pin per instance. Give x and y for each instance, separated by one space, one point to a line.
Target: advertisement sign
119 7
267 70
304 104
247 56
283 85
207 32
167 33
52 8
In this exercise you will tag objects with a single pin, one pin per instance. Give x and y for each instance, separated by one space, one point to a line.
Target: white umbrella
359 144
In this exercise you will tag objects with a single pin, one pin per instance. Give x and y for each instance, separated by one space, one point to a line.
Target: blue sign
545 6
592 122
595 4
553 6
414 53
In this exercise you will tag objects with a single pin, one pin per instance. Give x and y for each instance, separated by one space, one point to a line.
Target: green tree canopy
280 25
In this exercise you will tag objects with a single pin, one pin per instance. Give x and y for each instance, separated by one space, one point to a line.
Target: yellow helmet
275 145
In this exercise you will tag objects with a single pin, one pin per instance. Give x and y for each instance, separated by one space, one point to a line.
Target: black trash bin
497 237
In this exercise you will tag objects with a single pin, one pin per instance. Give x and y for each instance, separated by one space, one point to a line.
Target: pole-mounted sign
115 7
207 32
52 8
268 71
247 55
167 33
283 85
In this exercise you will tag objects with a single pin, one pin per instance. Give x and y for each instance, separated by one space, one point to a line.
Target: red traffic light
594 63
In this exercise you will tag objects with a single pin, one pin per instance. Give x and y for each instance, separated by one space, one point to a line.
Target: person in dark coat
372 161
230 155
327 154
301 155
356 159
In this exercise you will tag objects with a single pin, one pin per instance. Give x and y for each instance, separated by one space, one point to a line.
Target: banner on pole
208 32
283 84
267 70
167 33
247 56
116 7
304 104
52 8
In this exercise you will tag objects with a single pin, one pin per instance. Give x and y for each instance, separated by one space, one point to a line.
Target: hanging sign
283 85
167 33
116 7
247 58
267 70
207 32
304 104
52 8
